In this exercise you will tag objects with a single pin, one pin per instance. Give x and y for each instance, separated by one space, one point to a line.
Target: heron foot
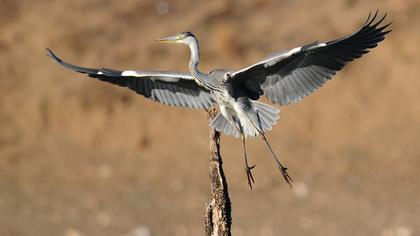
286 175
249 176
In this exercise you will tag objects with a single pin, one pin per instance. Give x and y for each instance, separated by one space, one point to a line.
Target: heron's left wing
170 88
289 76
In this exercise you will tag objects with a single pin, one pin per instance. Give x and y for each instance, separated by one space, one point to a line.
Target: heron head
181 38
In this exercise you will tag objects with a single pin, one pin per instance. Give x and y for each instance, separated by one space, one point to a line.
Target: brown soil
79 157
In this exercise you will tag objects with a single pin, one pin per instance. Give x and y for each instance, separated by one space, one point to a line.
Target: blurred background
80 157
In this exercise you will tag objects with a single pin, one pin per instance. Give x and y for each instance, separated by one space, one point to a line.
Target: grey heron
284 77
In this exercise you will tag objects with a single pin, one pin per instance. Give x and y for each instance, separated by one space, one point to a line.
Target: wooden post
218 218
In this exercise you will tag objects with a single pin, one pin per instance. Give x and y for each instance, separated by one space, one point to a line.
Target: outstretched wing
289 76
170 88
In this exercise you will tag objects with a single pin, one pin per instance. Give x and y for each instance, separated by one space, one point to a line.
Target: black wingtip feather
373 18
51 54
379 21
368 18
90 71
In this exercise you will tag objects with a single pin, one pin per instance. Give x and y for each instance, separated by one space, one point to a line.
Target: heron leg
248 168
281 167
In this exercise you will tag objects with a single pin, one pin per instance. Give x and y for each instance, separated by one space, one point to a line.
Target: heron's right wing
170 88
289 76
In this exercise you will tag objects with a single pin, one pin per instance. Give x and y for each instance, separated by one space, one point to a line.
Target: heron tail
221 124
257 123
266 116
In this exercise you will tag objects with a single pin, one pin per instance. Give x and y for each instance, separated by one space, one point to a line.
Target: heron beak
170 39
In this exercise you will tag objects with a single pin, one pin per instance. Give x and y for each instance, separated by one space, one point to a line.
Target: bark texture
217 218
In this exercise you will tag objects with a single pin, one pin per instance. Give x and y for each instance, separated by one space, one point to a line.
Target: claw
249 175
286 175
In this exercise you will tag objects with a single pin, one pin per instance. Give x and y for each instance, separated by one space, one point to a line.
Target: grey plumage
283 77
289 76
268 116
221 124
169 88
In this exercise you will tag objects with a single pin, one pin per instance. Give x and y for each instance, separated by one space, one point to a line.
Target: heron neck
194 60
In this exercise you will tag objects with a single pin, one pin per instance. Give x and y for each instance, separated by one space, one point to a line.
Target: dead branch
217 219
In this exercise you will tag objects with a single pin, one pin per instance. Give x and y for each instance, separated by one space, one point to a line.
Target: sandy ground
79 157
